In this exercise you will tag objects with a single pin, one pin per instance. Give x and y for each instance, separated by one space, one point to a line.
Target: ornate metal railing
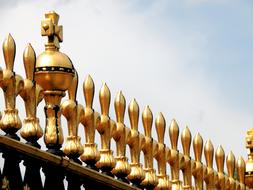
48 77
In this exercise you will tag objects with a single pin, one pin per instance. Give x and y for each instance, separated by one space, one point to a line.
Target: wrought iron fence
48 77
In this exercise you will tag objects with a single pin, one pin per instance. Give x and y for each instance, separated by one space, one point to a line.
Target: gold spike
198 147
88 91
197 170
160 127
73 88
147 120
105 127
120 106
208 150
241 169
220 157
11 85
133 112
32 95
9 50
161 156
104 98
230 164
135 142
89 120
186 140
122 167
29 59
174 132
148 150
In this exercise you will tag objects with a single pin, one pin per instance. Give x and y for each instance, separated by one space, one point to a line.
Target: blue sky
190 59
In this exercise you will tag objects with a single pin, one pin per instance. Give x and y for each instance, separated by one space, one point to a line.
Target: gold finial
51 29
11 85
220 157
147 120
89 120
208 171
104 98
9 50
249 161
174 158
32 95
186 140
122 168
72 112
174 132
120 106
186 161
29 59
208 151
197 169
105 128
160 124
88 91
198 147
161 154
241 170
133 112
149 147
54 72
135 142
231 169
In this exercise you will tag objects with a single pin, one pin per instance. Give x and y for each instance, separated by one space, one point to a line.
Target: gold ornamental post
54 73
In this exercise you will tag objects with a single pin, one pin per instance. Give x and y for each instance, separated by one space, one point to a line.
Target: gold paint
173 155
186 160
135 142
197 169
122 168
5 184
149 149
161 154
105 128
32 95
241 172
208 169
72 112
11 85
230 160
220 157
54 73
249 162
89 120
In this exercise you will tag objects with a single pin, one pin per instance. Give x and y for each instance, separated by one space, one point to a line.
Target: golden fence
48 77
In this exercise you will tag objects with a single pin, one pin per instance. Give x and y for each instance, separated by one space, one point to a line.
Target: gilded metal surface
208 169
11 85
197 169
105 128
135 142
89 120
51 74
72 112
149 148
161 154
32 95
173 156
186 163
120 134
54 82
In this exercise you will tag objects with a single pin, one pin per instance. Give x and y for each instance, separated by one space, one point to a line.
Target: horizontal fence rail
97 165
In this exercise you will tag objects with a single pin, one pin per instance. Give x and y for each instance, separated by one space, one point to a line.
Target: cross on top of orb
51 29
